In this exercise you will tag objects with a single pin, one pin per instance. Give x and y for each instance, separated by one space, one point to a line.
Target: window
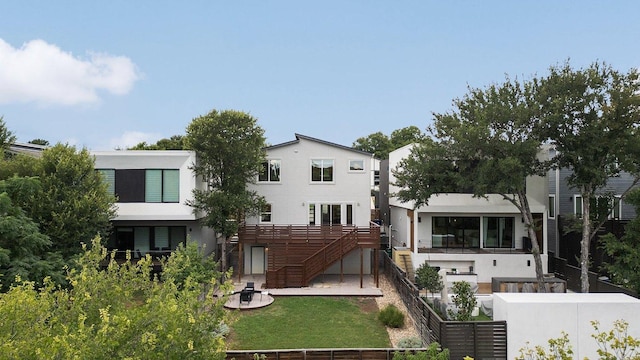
331 214
616 211
322 170
552 206
269 171
455 232
162 185
265 214
312 214
498 232
356 165
109 176
147 238
577 205
349 214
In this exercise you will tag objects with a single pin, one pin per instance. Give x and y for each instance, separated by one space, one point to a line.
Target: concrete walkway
323 285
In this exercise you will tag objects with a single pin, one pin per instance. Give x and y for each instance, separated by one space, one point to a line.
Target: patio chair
250 286
246 296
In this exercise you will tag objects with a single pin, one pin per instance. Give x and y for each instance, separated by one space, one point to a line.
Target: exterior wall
153 159
291 196
536 318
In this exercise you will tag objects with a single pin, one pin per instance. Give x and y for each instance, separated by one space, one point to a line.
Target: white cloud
43 73
132 138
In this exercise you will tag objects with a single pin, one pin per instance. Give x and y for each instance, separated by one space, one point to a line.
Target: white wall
153 159
291 196
536 318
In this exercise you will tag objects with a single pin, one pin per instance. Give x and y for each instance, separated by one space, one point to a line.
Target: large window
269 171
498 232
322 170
455 232
140 185
144 239
331 214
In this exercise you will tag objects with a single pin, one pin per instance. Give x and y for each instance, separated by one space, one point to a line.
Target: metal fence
478 339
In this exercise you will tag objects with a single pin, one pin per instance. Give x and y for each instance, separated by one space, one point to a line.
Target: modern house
474 238
152 188
318 214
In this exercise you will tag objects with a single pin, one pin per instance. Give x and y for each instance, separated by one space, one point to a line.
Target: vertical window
178 234
331 214
322 170
356 165
161 238
312 214
269 171
162 185
109 177
349 214
265 215
552 206
577 205
498 232
616 208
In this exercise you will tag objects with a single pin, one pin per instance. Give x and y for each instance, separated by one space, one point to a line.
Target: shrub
410 342
433 352
465 301
391 316
427 277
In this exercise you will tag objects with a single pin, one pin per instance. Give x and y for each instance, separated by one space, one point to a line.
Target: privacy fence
571 274
478 339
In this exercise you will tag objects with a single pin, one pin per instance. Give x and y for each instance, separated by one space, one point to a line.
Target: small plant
433 352
427 277
410 342
391 316
465 301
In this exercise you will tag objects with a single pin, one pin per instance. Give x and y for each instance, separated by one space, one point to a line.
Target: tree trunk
223 254
586 240
525 210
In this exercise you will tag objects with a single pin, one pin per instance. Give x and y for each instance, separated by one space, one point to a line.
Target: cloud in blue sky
45 74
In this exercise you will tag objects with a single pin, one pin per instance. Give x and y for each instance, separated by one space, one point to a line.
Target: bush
433 352
464 300
391 316
410 342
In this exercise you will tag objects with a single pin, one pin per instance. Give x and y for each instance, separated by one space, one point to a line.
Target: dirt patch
367 305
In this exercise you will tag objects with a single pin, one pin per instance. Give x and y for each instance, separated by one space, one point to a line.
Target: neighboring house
480 238
565 202
27 149
316 192
152 188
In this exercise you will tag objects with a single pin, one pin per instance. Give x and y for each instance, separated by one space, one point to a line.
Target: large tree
6 137
592 118
229 148
487 145
381 145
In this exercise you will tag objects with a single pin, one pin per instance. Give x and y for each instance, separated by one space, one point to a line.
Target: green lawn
296 322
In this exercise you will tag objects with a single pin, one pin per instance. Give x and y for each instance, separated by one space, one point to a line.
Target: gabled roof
309 138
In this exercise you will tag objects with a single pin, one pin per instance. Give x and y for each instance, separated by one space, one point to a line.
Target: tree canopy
6 137
381 145
175 142
229 146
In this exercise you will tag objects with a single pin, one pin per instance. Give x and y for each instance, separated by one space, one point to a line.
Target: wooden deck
297 254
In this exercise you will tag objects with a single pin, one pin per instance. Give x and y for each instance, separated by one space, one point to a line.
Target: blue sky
107 74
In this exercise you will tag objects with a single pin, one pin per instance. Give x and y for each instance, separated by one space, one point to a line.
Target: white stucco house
310 184
475 237
152 188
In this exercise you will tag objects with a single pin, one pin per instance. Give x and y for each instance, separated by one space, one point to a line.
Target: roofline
304 137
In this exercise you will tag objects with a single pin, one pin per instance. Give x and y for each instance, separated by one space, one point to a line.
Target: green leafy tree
623 266
175 142
592 118
120 312
464 300
6 137
488 145
24 250
229 146
381 145
427 277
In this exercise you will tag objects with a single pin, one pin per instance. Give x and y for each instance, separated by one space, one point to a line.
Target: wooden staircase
407 265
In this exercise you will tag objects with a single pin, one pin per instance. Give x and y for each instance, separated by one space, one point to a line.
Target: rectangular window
349 214
130 185
455 232
322 170
356 165
577 205
616 210
177 235
162 185
331 214
265 215
161 238
269 171
109 176
552 206
312 214
498 232
143 239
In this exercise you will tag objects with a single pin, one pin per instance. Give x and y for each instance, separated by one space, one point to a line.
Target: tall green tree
229 148
487 145
381 145
6 137
592 118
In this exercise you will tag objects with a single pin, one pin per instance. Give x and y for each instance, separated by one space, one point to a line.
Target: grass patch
295 322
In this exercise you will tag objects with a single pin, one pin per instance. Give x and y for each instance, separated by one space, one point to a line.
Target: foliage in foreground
114 313
615 344
433 352
427 277
391 316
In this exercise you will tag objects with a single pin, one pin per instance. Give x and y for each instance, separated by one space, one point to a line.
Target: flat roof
568 298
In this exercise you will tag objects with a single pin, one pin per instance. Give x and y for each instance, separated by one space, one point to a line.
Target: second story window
322 170
356 165
109 176
269 171
162 185
143 185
